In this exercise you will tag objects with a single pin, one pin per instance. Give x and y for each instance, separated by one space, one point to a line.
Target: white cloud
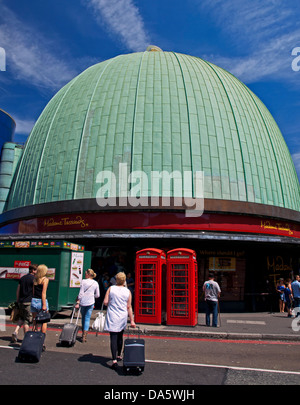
23 126
122 18
30 57
263 33
249 21
272 61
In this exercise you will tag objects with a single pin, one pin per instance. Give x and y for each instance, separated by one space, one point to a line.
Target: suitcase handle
73 312
136 327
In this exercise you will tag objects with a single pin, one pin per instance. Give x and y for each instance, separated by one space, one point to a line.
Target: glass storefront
247 274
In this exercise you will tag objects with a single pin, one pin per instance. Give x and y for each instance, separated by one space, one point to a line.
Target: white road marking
221 366
178 363
246 322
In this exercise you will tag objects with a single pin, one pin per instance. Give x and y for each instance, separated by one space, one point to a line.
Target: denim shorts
37 304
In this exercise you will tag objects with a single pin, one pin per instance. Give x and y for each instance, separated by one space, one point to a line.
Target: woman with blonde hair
39 297
118 302
89 290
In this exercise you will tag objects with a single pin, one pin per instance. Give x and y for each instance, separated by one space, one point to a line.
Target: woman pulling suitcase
89 290
33 342
118 301
39 297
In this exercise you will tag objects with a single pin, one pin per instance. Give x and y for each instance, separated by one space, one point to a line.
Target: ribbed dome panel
156 111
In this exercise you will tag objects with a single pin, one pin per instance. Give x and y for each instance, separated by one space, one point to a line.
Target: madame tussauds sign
140 189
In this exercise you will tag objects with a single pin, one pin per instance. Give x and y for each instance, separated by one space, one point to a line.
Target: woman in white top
118 302
89 290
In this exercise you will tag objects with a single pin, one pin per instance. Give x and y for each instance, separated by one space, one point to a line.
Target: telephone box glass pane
179 290
147 289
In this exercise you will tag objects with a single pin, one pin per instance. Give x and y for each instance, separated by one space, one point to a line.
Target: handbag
15 315
15 312
99 322
42 316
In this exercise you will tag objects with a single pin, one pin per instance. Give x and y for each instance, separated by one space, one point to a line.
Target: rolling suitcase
134 354
31 347
70 330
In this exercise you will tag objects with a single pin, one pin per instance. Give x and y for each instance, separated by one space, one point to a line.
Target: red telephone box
150 296
182 287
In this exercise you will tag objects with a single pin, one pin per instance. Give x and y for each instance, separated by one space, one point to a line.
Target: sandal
114 366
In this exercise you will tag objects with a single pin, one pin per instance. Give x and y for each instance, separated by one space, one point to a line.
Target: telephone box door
149 274
182 287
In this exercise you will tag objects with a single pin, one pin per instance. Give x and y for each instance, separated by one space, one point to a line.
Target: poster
13 272
76 269
17 272
222 263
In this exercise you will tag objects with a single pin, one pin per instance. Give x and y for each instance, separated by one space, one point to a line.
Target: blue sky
49 42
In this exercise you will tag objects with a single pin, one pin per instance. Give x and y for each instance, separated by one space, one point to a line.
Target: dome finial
153 48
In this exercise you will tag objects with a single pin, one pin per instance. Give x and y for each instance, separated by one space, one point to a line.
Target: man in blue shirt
296 294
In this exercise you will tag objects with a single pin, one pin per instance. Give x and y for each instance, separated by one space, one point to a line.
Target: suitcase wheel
133 370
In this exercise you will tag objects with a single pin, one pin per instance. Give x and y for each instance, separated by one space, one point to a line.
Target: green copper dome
156 111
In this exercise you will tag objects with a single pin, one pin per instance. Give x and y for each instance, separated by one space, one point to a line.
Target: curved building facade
143 125
157 111
7 128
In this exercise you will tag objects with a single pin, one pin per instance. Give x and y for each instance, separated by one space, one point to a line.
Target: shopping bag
98 324
15 315
15 312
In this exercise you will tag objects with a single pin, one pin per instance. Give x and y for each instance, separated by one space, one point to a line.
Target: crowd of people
117 295
32 298
289 295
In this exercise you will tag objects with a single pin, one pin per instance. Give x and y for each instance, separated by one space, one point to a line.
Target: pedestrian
118 302
280 290
24 297
39 296
212 293
288 298
89 290
296 294
105 282
130 285
112 281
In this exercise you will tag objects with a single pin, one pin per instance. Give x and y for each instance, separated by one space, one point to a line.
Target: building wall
10 157
7 128
248 272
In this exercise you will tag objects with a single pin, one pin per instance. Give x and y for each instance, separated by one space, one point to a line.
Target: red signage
154 221
23 264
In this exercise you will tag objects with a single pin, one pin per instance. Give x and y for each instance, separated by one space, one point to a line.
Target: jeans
211 308
86 313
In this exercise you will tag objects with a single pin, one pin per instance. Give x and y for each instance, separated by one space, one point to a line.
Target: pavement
236 326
